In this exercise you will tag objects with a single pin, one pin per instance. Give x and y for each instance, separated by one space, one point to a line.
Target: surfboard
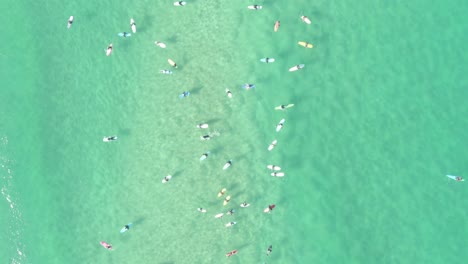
180 3
106 245
221 193
272 145
109 50
166 179
184 94
133 25
172 63
201 210
305 44
285 107
204 156
165 71
248 86
267 60
455 178
242 205
230 224
228 93
305 19
219 215
277 174
70 21
277 25
297 67
226 201
124 34
255 7
266 210
227 165
202 125
124 229
274 167
160 44
107 139
280 125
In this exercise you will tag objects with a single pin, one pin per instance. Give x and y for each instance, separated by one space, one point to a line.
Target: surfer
256 7
248 86
107 139
231 253
270 248
459 178
229 94
269 208
205 155
180 3
167 178
244 204
126 227
205 137
125 34
230 212
160 44
184 94
70 21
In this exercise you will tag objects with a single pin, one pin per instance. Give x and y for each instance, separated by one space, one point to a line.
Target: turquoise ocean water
379 119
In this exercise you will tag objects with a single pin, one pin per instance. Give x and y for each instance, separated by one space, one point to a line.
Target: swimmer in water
270 248
230 212
205 137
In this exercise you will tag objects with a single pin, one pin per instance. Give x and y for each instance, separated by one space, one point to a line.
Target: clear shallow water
379 119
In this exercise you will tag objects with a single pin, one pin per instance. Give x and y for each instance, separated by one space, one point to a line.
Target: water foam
15 224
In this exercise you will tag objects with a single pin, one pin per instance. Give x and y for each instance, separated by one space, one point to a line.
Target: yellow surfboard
305 44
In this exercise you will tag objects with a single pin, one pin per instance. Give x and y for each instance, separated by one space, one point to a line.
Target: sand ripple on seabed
14 227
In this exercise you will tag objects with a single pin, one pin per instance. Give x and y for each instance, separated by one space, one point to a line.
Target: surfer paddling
70 21
269 208
231 253
270 248
106 245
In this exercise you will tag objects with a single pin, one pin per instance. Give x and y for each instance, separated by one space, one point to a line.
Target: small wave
15 220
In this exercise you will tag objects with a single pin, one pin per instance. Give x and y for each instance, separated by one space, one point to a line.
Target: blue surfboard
124 34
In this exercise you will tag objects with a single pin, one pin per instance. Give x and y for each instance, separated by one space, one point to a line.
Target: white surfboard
280 125
227 165
108 139
267 60
272 145
109 50
219 215
160 44
133 25
228 93
204 156
456 178
274 167
282 107
202 125
277 174
226 201
172 63
201 210
255 7
180 3
221 193
166 179
230 224
305 19
297 67
70 21
244 205
125 229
